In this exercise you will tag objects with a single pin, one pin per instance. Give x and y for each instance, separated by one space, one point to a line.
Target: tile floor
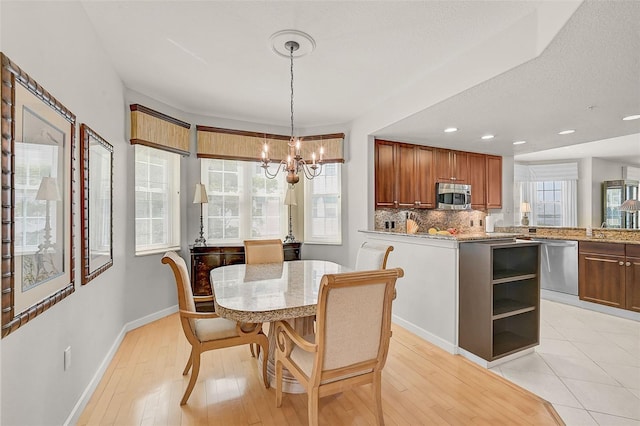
587 365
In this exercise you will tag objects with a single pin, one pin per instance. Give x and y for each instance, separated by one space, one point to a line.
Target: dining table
270 292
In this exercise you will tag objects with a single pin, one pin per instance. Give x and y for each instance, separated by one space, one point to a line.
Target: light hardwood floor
421 385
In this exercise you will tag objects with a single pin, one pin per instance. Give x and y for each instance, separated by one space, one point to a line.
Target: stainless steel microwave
453 196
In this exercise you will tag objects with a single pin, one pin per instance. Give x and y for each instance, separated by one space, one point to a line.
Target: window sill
161 250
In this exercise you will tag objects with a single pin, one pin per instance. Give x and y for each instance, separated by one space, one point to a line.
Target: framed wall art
96 179
38 140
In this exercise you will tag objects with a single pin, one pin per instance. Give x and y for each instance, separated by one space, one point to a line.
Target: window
551 191
157 202
322 218
243 203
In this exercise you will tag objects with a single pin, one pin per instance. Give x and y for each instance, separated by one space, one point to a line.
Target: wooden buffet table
272 292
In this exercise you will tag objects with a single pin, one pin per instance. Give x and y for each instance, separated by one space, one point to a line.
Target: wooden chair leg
377 396
278 382
265 356
313 402
195 355
188 366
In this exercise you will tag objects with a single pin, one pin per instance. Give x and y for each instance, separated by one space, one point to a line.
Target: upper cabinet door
477 179
460 163
425 181
385 174
494 182
406 166
451 166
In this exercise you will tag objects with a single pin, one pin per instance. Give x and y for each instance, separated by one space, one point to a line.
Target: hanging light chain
292 46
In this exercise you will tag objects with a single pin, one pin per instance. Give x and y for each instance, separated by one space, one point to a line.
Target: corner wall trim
73 417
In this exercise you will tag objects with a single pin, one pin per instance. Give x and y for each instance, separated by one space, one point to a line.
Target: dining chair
206 331
372 256
263 251
349 348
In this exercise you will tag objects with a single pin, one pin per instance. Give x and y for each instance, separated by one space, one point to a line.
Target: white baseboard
429 337
95 380
489 364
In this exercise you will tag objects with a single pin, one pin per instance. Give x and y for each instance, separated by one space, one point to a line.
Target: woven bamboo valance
157 130
214 142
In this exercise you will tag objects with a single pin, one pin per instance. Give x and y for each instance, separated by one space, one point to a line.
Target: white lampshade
525 207
630 206
200 196
48 190
290 198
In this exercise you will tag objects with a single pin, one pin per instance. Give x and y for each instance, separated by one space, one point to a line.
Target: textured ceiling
213 58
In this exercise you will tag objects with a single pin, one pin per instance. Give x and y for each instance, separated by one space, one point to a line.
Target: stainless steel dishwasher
559 265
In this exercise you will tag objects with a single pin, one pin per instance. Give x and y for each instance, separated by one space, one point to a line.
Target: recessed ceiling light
566 132
450 129
485 137
519 142
631 117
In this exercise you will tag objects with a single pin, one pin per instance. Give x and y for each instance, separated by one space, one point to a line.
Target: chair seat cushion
215 329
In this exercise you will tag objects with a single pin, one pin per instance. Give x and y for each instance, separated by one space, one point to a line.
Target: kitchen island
427 301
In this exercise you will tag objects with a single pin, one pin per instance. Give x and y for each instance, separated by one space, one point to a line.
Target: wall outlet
393 224
532 230
67 358
471 223
480 222
386 224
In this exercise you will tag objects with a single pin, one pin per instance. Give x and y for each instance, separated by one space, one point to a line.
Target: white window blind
157 202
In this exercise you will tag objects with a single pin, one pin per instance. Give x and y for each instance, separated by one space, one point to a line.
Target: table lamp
290 200
48 191
201 198
525 208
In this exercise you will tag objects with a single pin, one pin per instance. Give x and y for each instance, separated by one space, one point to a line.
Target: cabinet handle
628 263
621 263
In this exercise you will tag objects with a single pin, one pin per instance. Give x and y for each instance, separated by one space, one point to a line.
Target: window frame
309 207
171 203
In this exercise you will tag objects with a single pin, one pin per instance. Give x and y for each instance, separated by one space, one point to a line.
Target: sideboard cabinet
204 259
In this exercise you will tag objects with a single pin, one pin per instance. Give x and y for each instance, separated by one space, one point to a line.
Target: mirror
38 138
96 156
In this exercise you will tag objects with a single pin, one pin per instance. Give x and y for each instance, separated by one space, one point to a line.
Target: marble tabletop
271 291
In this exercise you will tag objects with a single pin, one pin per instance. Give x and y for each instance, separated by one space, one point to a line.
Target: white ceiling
213 58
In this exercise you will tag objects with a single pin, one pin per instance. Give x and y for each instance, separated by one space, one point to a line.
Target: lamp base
200 242
525 221
289 239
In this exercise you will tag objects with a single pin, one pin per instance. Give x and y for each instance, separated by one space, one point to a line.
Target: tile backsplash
468 221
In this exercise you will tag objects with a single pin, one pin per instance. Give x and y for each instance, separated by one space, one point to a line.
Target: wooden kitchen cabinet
499 298
406 175
609 274
452 166
494 182
478 180
403 175
204 259
385 174
632 276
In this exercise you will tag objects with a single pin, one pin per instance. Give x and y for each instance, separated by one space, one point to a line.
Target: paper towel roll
488 223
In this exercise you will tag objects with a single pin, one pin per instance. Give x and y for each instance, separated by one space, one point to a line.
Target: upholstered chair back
263 251
372 256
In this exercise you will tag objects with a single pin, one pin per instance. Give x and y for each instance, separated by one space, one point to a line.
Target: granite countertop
480 236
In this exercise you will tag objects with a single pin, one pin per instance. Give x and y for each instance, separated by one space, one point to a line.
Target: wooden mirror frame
87 137
12 78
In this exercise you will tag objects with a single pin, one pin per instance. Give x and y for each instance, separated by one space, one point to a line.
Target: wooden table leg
304 326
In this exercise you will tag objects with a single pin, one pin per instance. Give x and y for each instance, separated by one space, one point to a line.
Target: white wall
55 45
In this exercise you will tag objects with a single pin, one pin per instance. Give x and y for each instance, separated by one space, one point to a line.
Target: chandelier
294 165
